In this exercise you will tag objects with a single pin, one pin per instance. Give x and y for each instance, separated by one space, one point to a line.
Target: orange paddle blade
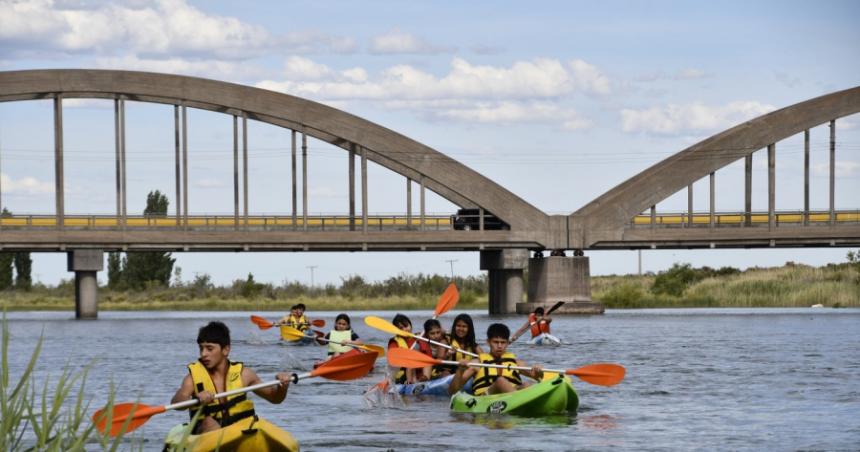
346 367
261 322
410 359
319 323
447 300
602 374
138 412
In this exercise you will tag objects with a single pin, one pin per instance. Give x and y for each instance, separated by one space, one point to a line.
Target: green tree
114 271
23 267
146 267
674 280
6 270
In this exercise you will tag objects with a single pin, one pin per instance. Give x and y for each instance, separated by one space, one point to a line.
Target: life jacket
486 376
237 406
300 323
538 327
398 341
437 370
459 356
339 336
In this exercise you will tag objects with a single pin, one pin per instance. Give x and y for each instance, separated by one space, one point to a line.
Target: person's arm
355 339
274 394
463 374
536 372
186 392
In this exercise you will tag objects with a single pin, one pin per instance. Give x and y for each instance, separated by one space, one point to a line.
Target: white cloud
675 119
214 69
398 42
844 168
150 28
26 185
526 91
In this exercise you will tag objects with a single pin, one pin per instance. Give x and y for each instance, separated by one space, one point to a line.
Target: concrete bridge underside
605 223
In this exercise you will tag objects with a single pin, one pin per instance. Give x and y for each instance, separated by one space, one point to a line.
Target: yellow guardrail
739 218
221 221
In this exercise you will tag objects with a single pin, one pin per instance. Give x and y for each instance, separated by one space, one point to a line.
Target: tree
114 270
143 267
23 267
6 270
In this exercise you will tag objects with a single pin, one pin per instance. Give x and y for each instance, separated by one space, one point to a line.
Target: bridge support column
560 278
505 269
86 264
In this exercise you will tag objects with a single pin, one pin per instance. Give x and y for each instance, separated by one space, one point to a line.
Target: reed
49 417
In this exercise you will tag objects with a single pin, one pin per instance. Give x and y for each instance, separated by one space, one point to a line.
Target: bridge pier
560 278
86 264
505 268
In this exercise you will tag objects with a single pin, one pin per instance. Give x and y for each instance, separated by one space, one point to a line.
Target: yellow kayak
251 434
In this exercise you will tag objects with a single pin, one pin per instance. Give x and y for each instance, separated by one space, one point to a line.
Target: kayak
437 387
545 339
352 352
247 435
294 340
553 395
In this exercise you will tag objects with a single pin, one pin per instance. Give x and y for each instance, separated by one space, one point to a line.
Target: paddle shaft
422 338
529 324
501 366
340 343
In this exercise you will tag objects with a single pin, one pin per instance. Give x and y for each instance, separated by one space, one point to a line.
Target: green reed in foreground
47 417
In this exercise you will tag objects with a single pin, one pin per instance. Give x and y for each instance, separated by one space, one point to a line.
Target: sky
558 102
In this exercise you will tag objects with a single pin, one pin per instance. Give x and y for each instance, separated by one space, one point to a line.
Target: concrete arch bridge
500 225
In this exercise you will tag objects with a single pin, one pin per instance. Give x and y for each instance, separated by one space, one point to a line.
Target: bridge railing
742 219
391 222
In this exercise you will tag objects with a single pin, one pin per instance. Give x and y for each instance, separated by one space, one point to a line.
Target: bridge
623 218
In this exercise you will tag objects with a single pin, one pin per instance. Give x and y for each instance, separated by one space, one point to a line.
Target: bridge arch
450 179
605 218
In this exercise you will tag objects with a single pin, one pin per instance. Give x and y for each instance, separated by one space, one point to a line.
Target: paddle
126 417
265 324
529 324
447 300
603 374
292 332
386 326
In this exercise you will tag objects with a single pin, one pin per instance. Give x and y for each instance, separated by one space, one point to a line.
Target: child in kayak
462 337
401 321
296 319
342 332
433 331
213 373
491 380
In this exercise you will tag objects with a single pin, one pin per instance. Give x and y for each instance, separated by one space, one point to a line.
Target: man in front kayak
213 373
494 380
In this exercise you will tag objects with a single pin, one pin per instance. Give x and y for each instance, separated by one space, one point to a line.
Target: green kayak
551 396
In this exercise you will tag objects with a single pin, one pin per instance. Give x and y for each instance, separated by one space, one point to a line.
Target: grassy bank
788 286
836 285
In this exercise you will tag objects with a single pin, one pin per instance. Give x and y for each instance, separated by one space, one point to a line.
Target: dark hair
301 306
295 306
401 320
429 324
539 310
498 330
344 317
469 341
215 333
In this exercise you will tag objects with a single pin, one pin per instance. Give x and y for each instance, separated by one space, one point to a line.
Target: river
706 379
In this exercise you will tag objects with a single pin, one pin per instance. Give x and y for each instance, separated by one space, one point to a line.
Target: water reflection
509 421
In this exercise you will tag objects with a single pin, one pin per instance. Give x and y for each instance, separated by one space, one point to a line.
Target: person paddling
492 380
403 375
214 373
462 337
342 333
433 331
539 322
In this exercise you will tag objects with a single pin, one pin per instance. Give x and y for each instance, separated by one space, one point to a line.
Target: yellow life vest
339 336
235 408
459 356
486 376
300 323
400 376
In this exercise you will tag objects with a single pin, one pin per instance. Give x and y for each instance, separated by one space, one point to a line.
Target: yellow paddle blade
386 326
291 333
379 350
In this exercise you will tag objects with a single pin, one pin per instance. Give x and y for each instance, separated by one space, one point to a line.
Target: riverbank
836 285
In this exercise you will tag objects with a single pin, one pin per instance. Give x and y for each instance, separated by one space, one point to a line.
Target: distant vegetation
792 285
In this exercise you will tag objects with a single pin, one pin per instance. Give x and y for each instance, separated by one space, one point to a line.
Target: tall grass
46 417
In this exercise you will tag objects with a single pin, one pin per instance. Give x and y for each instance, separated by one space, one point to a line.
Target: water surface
739 379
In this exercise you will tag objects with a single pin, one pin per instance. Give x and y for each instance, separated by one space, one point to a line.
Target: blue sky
556 101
